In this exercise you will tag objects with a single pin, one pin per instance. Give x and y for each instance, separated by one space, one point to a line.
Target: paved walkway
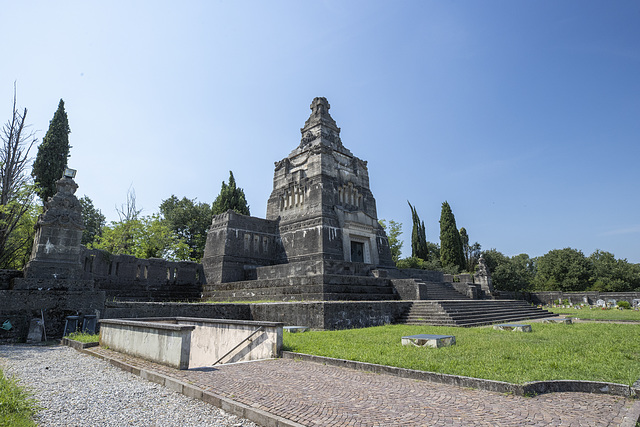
313 394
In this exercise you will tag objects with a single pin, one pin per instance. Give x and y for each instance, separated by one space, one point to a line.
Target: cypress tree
52 155
419 247
464 239
230 197
451 253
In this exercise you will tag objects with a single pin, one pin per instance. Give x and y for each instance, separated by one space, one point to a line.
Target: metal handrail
261 328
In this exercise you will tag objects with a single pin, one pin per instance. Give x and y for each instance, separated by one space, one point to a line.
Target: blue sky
523 115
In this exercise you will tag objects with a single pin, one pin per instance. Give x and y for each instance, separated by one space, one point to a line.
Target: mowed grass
585 351
16 406
84 337
598 313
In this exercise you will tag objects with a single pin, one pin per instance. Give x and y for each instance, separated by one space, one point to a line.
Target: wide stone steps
470 312
442 291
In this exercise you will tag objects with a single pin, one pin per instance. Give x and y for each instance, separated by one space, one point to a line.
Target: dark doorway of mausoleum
357 252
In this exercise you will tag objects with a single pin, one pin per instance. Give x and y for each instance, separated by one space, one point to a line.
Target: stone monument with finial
56 254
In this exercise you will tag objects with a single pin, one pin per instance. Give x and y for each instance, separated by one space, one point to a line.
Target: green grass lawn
585 351
16 406
598 313
83 337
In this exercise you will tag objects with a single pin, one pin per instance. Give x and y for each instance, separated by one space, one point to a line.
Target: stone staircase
442 291
468 312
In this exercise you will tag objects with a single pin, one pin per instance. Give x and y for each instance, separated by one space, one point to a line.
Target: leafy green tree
419 246
119 237
93 219
230 197
190 220
494 258
52 154
566 270
432 265
613 275
144 237
159 241
516 274
21 239
451 254
433 249
393 230
17 213
411 262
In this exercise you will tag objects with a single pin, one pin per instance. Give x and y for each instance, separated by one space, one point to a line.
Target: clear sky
523 115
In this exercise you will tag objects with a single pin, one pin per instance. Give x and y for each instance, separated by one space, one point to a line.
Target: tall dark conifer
52 154
451 253
230 197
419 247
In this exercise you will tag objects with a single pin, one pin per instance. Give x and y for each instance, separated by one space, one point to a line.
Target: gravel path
79 390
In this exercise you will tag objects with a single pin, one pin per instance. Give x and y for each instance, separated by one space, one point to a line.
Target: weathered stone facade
321 217
56 247
125 277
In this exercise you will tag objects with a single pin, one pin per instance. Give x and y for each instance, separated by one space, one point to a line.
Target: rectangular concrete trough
189 342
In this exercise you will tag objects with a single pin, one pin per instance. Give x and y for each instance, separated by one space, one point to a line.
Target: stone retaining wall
19 307
153 279
547 298
316 315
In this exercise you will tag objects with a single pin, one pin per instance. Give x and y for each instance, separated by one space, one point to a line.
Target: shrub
624 304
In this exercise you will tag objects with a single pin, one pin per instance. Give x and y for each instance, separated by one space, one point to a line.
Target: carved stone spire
320 128
320 116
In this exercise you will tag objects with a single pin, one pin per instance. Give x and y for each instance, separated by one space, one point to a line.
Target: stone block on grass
429 340
513 327
565 320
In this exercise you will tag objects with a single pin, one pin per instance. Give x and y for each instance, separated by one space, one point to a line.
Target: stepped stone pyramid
321 240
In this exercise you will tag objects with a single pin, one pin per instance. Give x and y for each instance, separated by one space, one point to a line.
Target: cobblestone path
313 394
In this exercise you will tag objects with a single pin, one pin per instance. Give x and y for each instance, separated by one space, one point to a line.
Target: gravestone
516 327
36 331
601 303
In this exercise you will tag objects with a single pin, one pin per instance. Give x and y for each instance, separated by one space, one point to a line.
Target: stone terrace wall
20 306
573 297
154 279
317 315
6 276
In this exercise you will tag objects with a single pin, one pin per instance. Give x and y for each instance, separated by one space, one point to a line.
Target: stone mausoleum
321 238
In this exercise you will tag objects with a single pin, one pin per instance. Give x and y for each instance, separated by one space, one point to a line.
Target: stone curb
256 415
77 344
527 389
